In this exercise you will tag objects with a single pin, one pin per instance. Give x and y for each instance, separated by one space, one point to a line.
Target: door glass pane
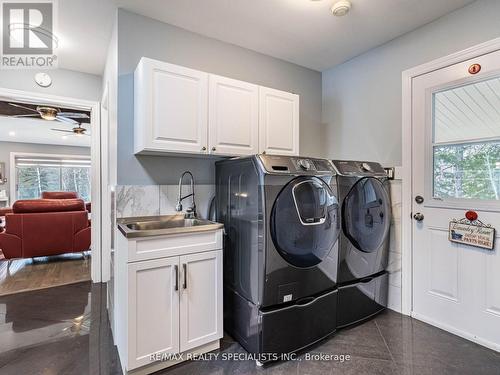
466 142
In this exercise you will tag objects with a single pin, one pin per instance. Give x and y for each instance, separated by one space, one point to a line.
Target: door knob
418 216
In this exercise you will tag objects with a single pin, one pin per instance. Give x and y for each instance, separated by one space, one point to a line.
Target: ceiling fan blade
23 107
67 120
33 115
73 115
62 130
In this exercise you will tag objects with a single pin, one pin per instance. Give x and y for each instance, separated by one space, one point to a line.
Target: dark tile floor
60 330
390 343
65 330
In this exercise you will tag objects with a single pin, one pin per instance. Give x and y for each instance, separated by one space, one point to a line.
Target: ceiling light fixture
341 8
12 134
47 113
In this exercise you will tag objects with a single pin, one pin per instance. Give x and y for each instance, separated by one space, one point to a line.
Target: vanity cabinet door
201 299
233 117
278 122
153 308
170 109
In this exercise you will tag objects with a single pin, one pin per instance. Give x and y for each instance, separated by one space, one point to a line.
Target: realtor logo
28 35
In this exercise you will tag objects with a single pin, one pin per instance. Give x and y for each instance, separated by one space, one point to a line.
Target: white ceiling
83 33
299 31
39 131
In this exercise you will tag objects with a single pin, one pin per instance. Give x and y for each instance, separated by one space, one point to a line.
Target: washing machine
281 221
364 196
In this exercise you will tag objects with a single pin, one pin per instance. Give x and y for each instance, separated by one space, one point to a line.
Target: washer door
366 214
304 221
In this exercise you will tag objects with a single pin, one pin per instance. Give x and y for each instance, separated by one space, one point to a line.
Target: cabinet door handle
176 269
214 149
203 148
184 270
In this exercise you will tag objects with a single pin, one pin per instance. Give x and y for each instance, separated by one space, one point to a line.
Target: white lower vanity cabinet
167 298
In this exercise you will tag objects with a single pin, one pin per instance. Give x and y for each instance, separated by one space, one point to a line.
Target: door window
304 221
466 142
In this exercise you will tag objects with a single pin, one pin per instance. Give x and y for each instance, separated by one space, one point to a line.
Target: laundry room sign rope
471 231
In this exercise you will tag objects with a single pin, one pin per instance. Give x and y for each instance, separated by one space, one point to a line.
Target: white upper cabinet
278 122
233 117
171 105
182 110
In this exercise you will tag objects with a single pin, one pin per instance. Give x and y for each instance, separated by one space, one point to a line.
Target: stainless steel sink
163 225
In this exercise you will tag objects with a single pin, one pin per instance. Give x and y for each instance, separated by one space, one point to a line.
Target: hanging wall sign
473 232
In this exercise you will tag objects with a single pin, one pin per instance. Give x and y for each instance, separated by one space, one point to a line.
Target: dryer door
366 213
304 221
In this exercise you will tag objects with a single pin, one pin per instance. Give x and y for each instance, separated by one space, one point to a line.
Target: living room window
35 175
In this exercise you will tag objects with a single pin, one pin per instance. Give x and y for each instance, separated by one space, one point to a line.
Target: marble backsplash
153 200
394 267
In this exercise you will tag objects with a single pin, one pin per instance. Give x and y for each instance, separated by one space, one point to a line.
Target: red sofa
42 227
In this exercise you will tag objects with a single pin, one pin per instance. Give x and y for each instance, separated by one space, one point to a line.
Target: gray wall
7 147
67 83
141 36
362 97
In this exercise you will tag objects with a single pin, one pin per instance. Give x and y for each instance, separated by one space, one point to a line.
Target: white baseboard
468 336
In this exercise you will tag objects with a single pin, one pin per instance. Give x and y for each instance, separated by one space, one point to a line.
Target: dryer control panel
277 164
359 168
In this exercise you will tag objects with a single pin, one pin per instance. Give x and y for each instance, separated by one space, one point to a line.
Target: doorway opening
50 191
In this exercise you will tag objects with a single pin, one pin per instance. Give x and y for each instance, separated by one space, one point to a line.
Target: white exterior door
201 299
153 305
233 117
171 108
456 168
278 122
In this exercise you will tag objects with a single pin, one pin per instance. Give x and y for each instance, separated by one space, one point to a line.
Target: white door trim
97 170
407 196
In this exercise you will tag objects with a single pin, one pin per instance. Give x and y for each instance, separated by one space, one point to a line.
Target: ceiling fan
78 130
51 113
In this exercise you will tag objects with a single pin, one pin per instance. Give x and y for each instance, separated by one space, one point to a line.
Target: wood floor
45 272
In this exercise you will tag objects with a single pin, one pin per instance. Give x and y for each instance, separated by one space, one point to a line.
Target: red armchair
64 195
43 227
59 195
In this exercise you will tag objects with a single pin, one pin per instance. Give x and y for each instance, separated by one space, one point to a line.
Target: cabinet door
233 117
171 108
153 305
201 299
278 122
